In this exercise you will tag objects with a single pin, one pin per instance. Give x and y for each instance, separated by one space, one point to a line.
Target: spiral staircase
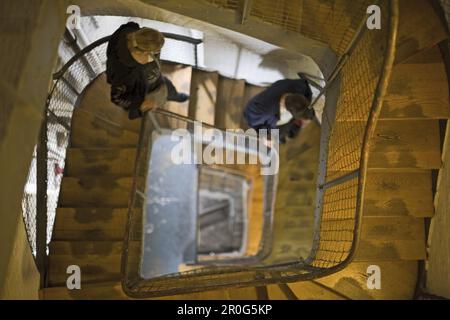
404 155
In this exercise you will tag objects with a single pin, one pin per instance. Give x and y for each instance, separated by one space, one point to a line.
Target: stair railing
361 79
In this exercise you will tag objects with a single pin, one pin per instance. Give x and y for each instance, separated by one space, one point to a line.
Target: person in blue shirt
281 106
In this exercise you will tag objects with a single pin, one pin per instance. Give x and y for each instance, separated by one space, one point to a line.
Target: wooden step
393 228
302 174
89 224
398 280
388 250
406 144
292 232
101 224
396 193
229 106
117 162
418 88
98 260
248 293
313 290
420 28
180 75
97 101
392 239
275 292
113 291
93 268
203 96
95 191
97 291
86 248
293 198
90 131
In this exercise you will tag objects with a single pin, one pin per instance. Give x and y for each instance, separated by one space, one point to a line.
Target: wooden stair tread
97 101
420 28
93 269
98 291
398 280
390 250
102 161
312 290
89 130
418 88
203 96
229 106
92 191
86 249
92 224
112 290
390 193
393 228
406 144
98 260
180 75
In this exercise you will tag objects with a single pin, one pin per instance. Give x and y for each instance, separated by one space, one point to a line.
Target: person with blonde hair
133 70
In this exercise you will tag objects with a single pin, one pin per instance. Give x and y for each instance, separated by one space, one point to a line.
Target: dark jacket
263 110
129 80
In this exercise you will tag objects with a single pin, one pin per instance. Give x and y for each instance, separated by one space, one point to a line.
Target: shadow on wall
288 63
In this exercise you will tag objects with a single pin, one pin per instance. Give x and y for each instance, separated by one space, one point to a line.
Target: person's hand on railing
147 105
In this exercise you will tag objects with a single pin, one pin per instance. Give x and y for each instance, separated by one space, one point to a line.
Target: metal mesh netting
330 21
29 204
359 80
64 98
337 224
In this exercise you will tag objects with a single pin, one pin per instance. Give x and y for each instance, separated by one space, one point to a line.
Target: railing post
41 200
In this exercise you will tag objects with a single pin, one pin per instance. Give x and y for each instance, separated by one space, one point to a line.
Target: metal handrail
103 40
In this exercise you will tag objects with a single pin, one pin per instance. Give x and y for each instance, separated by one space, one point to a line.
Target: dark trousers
172 93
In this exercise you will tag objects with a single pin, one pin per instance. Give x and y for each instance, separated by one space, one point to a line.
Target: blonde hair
145 39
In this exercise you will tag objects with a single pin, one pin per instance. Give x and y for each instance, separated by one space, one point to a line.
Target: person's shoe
182 97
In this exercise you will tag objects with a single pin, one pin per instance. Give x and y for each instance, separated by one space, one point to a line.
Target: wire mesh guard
63 99
359 79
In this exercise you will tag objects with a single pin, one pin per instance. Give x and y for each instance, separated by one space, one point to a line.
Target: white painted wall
231 54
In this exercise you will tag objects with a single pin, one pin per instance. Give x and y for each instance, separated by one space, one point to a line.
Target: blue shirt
263 110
